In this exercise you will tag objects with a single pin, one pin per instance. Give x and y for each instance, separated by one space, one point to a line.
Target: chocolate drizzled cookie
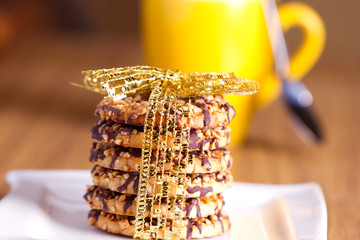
197 185
128 159
210 226
206 111
132 136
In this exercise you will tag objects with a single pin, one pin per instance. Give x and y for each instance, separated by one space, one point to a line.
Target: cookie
118 203
206 111
192 228
129 159
198 185
132 136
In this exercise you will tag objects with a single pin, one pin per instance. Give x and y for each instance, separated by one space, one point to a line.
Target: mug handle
295 14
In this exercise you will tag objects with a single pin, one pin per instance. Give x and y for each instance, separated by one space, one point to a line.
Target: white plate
49 205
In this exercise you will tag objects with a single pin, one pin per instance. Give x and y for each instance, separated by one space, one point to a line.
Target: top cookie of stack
117 159
206 111
121 122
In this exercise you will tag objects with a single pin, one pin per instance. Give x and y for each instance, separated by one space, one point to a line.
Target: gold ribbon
122 82
164 87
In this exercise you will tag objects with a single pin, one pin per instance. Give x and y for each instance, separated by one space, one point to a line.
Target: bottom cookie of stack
210 226
115 212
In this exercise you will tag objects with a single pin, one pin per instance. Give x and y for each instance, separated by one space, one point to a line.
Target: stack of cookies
116 154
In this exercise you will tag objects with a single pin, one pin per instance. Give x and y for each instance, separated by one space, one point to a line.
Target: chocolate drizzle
206 117
152 158
221 178
194 138
204 142
195 143
96 153
103 199
178 118
132 177
219 217
206 113
205 162
216 143
94 214
130 119
227 137
193 202
93 169
89 193
128 203
114 157
96 132
227 108
102 194
203 191
197 223
136 184
189 227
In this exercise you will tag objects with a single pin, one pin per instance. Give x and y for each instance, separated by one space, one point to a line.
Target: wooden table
45 123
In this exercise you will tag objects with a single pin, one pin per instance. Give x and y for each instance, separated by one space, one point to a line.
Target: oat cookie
121 204
128 159
198 185
132 136
206 111
193 228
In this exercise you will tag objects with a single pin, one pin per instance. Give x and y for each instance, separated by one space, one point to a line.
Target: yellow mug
228 36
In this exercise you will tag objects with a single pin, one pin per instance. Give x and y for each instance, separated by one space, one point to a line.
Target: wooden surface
45 123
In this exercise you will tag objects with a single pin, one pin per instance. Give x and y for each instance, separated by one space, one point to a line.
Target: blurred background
45 122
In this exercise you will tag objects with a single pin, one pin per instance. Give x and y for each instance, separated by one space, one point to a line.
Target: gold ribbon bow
122 82
164 87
